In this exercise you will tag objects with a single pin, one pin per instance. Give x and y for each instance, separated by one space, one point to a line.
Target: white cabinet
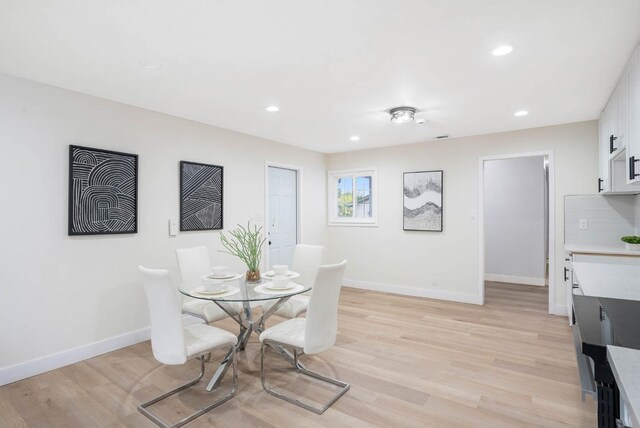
619 135
633 105
603 175
569 286
613 108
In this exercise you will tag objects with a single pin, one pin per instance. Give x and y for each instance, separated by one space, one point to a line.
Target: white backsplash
608 218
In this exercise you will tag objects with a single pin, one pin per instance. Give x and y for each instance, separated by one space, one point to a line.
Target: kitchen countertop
617 281
625 364
614 250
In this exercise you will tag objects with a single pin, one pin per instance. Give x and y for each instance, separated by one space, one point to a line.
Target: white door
282 221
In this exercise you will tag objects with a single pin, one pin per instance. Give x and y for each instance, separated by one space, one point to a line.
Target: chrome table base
247 326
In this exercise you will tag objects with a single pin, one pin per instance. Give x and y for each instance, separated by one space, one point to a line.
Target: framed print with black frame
201 196
422 201
103 192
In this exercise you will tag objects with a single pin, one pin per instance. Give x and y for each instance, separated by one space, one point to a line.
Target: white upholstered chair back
193 263
167 334
306 260
321 325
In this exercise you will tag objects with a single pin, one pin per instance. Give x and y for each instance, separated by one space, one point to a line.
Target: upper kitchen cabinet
619 134
603 126
633 118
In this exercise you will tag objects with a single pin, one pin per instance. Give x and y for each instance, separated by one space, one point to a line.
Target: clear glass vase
253 275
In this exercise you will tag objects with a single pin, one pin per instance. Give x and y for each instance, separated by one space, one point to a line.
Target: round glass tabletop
240 290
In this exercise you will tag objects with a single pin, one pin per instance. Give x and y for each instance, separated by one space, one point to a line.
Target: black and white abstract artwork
422 201
103 192
200 196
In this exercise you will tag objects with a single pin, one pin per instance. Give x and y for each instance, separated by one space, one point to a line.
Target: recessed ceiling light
521 113
149 65
272 109
354 138
502 50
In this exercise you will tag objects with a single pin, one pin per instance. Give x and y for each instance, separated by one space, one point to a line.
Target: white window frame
332 192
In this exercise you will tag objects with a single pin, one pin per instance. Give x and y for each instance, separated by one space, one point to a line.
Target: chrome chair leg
158 421
202 317
344 387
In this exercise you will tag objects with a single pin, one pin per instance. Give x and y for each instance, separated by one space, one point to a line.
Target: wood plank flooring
411 362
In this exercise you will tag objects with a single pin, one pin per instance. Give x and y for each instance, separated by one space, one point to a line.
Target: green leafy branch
246 244
631 239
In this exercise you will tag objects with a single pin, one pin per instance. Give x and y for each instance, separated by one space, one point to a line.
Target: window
352 197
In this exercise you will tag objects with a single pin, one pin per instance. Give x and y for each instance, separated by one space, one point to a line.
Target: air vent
442 137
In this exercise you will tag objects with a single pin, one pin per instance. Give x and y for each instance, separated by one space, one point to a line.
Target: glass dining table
246 293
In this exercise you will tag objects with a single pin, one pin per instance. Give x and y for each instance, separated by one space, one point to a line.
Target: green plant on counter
631 239
246 244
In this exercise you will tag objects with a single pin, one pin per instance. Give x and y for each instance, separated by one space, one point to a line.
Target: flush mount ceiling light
402 114
502 50
273 109
355 138
521 113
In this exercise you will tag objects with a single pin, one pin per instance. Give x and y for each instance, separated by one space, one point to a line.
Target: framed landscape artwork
200 196
103 192
422 196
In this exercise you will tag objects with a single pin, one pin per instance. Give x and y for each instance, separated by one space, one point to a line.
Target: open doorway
516 224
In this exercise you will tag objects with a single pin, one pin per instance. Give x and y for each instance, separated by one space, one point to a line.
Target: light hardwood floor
411 362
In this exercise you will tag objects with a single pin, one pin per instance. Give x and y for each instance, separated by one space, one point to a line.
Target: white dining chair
311 335
306 260
193 264
174 343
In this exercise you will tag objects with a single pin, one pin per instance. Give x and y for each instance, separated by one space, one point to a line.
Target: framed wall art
422 201
201 201
103 191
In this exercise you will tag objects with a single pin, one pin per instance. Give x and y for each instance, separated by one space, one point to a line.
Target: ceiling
334 67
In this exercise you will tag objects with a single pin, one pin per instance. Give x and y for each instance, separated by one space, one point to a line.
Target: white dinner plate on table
290 274
225 290
230 277
225 276
267 288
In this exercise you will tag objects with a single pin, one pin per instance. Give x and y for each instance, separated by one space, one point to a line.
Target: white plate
290 274
230 291
221 290
225 276
264 289
271 286
230 278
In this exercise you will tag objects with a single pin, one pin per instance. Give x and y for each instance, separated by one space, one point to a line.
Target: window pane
363 197
345 197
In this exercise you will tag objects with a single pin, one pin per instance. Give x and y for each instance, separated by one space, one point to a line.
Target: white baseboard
413 291
526 280
50 362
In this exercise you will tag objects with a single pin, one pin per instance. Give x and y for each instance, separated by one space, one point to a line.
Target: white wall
514 220
59 292
388 258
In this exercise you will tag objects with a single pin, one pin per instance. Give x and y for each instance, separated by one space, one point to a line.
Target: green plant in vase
246 244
